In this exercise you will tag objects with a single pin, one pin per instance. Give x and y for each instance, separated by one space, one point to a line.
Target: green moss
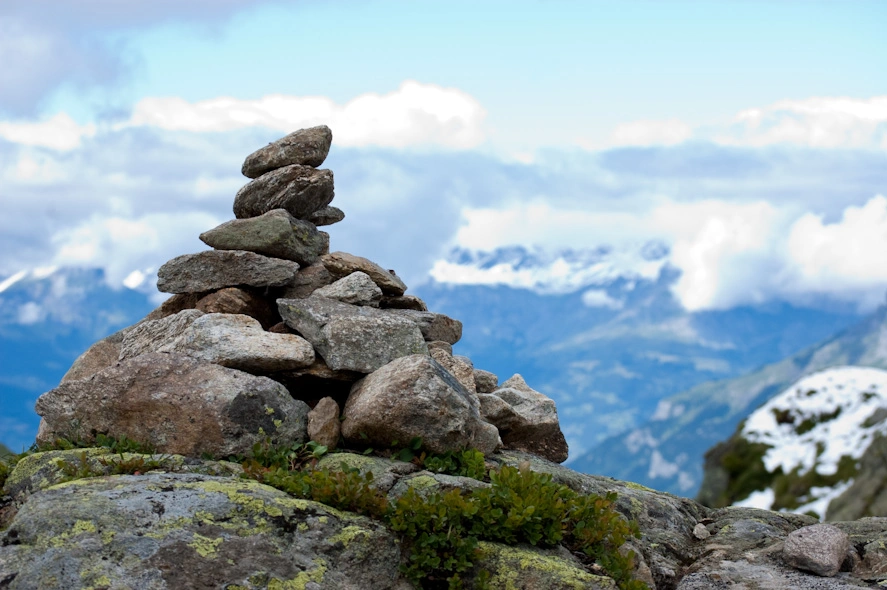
636 486
348 534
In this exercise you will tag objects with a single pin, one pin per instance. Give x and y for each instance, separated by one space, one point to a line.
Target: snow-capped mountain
667 451
802 449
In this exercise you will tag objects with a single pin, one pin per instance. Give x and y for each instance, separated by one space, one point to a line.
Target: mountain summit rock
256 350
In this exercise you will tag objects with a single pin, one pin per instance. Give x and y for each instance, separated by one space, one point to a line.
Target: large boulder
307 147
97 357
301 190
414 396
276 234
156 335
351 337
215 269
175 403
185 530
527 420
341 264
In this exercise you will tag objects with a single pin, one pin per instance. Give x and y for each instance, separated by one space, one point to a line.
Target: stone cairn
269 335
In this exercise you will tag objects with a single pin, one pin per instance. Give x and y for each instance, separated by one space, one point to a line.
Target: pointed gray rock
216 269
301 190
341 264
414 396
527 420
327 216
176 404
434 326
308 147
351 337
276 234
357 288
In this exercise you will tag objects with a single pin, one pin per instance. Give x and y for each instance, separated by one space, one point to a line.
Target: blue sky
748 138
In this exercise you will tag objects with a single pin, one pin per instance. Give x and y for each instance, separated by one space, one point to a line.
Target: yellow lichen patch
302 579
107 537
80 527
636 486
348 534
48 462
422 482
269 410
512 564
204 546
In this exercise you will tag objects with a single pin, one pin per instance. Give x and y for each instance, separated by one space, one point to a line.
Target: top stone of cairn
307 147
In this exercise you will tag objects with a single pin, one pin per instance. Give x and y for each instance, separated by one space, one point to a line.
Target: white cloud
669 132
60 132
414 114
600 298
817 122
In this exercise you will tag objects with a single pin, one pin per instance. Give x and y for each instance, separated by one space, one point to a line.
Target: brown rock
97 357
324 426
175 403
414 396
240 301
403 302
341 264
440 345
216 269
308 280
819 548
307 147
175 304
458 368
301 190
485 381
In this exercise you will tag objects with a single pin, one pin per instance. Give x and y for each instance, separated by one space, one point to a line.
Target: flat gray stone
307 147
414 396
357 288
216 269
341 264
351 337
176 403
276 234
327 216
239 342
301 190
156 335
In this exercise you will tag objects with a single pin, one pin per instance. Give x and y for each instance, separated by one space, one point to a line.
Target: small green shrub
290 457
468 463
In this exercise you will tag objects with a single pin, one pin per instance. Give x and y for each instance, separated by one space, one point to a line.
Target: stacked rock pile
270 335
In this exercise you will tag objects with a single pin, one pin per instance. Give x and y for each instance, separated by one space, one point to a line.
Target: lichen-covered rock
301 190
39 471
386 472
175 403
276 234
414 396
525 568
357 288
351 337
308 147
178 530
341 264
216 269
